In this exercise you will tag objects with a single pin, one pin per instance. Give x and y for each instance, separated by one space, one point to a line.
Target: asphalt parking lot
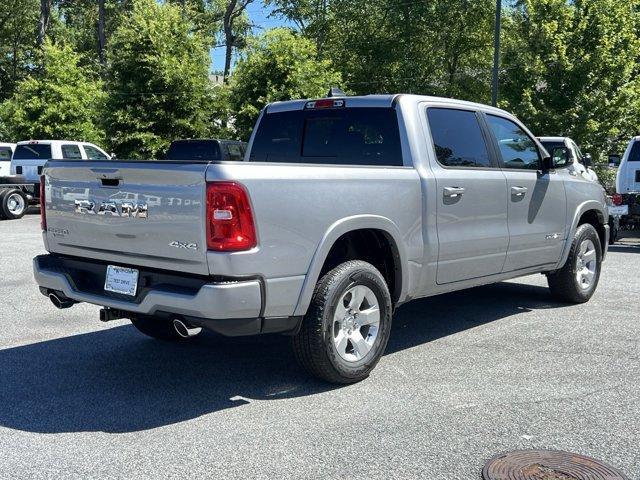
466 376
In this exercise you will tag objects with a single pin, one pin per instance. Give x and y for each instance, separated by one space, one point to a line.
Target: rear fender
333 233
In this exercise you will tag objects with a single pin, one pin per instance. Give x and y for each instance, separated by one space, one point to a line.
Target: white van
6 151
30 156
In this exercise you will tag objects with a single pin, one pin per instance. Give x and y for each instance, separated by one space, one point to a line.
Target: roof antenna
336 92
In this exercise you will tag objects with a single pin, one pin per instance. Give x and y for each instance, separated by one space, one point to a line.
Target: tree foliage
65 101
572 69
438 47
158 87
17 44
568 67
278 65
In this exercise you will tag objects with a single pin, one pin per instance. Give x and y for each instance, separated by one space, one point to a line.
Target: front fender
603 216
333 233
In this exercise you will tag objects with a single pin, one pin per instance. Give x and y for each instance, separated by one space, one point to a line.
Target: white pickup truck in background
31 155
6 151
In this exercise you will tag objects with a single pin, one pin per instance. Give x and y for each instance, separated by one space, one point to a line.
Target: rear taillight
230 225
43 215
616 198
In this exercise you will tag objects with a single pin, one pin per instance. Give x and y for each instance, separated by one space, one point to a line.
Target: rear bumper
633 201
204 300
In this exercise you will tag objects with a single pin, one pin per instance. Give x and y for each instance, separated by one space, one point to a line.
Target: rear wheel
13 204
347 326
577 280
157 327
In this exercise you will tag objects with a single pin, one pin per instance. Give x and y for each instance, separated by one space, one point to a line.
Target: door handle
453 192
518 191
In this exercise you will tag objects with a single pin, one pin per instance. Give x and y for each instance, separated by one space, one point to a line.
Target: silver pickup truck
344 209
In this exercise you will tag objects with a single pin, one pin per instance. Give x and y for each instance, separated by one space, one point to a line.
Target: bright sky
259 16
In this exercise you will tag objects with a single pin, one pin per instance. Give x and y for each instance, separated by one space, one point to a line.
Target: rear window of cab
33 151
343 136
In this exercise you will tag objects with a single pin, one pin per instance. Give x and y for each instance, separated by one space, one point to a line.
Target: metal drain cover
547 465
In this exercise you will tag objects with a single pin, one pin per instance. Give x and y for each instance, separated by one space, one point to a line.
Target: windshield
549 146
194 150
33 151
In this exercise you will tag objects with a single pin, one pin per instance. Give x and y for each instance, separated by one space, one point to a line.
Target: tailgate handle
110 182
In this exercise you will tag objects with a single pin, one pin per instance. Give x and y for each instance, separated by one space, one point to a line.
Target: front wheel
577 280
346 329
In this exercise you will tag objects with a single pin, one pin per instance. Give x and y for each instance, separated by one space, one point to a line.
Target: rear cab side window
458 139
234 152
5 154
71 152
517 149
367 136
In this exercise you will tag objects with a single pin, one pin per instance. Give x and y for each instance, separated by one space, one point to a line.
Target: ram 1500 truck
344 209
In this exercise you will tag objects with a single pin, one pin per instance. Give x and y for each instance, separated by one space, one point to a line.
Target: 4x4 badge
186 245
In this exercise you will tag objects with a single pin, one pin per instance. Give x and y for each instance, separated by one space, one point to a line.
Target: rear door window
5 154
35 151
342 136
457 138
93 153
71 152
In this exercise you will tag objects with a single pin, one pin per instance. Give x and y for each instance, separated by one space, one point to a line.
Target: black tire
2 192
564 283
7 197
314 346
156 327
614 230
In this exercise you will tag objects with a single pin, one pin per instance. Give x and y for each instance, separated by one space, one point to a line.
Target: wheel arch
348 226
591 212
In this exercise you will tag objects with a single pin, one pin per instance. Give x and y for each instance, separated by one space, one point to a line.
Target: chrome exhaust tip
184 329
60 301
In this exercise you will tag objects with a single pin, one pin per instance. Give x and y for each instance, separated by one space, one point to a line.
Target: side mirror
547 163
560 157
587 160
112 156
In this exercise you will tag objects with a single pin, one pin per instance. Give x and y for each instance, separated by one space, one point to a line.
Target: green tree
441 47
158 82
63 101
18 19
571 68
278 65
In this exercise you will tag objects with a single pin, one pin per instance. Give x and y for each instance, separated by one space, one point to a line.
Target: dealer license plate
121 280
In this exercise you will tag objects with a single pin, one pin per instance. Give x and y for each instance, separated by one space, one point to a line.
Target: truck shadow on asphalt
116 380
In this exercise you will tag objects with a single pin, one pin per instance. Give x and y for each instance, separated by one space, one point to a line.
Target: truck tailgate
149 214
